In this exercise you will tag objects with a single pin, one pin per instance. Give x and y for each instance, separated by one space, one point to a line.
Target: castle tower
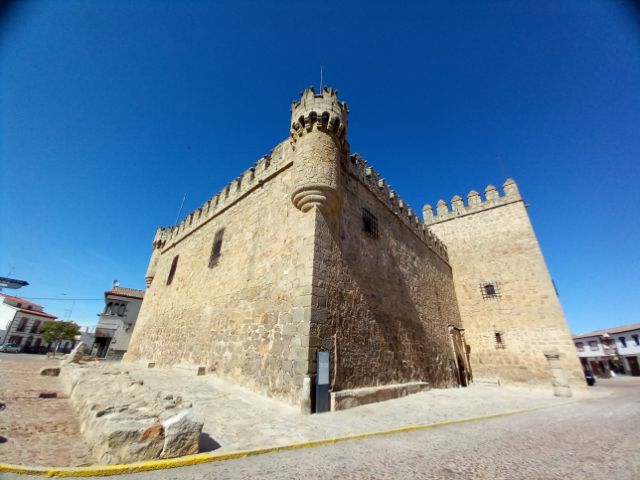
307 251
157 245
509 307
319 139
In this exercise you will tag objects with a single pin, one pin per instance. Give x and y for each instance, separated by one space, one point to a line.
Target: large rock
124 421
122 441
182 433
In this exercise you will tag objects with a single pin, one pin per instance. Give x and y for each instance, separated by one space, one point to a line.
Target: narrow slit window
499 340
172 271
216 249
369 223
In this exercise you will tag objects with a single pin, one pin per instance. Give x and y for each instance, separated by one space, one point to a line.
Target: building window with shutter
22 325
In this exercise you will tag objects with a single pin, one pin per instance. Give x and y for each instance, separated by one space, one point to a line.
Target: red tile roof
40 314
612 330
20 300
126 292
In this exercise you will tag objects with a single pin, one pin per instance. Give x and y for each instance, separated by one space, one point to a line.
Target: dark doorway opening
103 346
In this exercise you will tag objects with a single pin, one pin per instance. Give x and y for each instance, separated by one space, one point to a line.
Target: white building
117 321
628 343
20 321
87 335
609 350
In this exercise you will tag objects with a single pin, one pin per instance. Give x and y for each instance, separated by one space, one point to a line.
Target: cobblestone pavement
589 440
239 419
44 432
38 431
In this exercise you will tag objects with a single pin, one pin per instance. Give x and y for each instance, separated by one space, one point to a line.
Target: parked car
591 380
10 348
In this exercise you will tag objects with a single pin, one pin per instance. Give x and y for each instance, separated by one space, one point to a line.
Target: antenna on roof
181 205
321 72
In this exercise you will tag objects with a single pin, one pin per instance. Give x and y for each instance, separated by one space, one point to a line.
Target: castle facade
310 251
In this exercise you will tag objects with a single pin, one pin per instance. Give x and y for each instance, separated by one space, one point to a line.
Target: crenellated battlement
358 168
160 238
322 111
265 168
474 203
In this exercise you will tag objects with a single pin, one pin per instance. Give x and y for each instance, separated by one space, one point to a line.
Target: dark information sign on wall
322 385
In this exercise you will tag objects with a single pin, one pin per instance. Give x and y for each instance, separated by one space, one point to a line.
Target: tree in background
58 331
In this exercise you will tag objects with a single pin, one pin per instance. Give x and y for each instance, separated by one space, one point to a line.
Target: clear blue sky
111 111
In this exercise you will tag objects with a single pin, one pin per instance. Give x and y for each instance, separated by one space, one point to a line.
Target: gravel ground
38 431
594 439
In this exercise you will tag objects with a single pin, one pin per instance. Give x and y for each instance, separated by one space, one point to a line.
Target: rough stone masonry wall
242 319
495 243
381 305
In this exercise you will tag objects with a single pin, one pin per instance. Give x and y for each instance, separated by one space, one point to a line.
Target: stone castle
310 250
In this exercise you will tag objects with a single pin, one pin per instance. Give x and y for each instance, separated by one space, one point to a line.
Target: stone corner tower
319 140
508 304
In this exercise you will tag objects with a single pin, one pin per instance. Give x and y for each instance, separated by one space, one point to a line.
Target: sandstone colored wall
494 242
381 305
242 319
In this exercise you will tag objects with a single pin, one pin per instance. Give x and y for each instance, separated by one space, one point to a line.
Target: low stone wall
124 421
344 399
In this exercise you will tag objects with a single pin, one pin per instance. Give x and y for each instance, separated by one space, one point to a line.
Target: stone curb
199 458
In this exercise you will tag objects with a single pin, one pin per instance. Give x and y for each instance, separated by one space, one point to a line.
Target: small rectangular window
172 271
490 290
22 325
369 223
216 249
623 341
499 340
580 346
636 339
593 345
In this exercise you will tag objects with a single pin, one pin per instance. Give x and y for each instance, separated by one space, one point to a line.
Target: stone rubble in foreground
123 420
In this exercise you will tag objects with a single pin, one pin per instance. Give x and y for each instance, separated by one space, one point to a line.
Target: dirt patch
38 431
